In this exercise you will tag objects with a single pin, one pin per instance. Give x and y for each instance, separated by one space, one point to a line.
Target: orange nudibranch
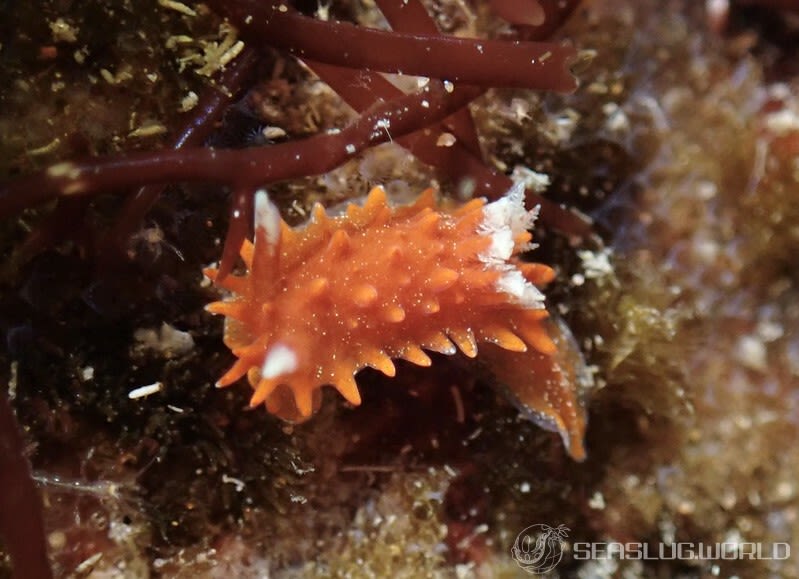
322 301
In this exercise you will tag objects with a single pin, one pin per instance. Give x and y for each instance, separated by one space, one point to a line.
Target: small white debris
616 121
239 484
64 170
560 128
596 264
323 11
465 570
63 31
189 101
87 373
520 109
350 149
81 54
448 86
57 540
121 533
577 279
167 341
707 250
779 91
445 140
706 190
214 55
270 132
532 180
230 54
785 491
144 391
279 360
769 331
384 124
88 564
12 380
122 76
752 353
782 122
597 501
148 130
178 40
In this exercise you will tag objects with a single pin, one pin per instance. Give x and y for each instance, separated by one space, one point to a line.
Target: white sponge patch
513 283
503 221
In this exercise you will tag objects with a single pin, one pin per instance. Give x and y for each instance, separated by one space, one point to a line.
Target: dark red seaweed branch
489 63
21 520
251 167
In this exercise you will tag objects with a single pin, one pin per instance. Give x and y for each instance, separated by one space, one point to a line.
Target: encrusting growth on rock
320 302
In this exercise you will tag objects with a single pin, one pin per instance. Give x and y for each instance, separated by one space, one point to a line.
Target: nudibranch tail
548 389
320 302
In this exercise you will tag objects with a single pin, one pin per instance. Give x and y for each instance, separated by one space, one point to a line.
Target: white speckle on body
279 360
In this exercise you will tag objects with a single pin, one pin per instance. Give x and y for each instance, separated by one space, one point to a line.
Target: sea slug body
322 301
